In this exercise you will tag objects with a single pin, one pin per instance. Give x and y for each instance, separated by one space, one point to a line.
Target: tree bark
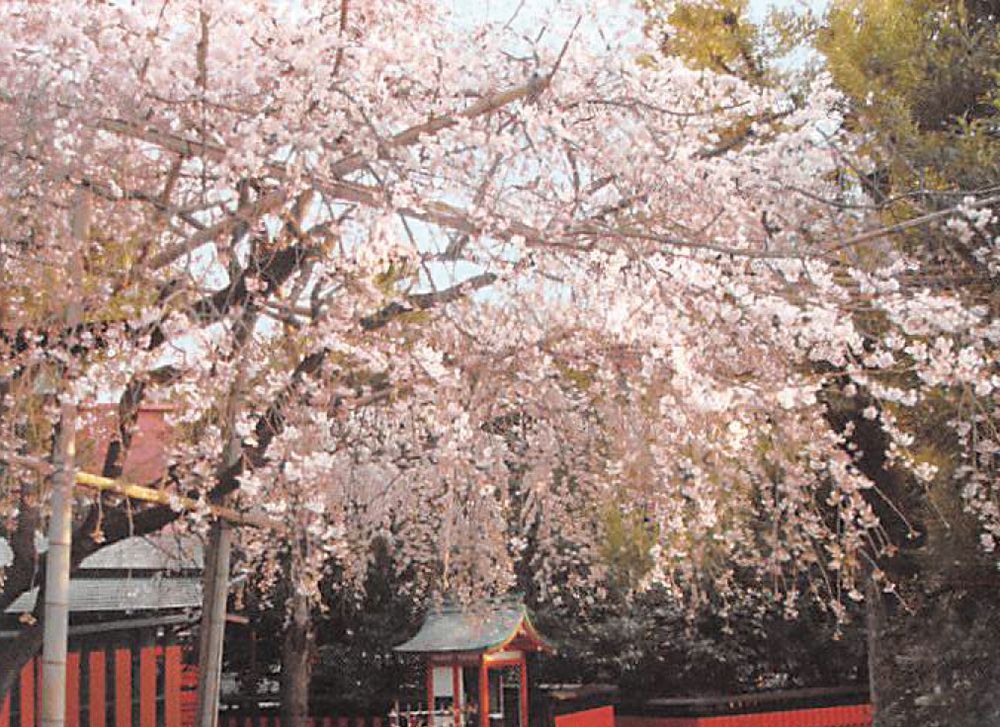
874 615
213 623
16 655
935 661
296 660
934 643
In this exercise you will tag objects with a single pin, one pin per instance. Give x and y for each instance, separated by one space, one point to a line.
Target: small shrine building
476 656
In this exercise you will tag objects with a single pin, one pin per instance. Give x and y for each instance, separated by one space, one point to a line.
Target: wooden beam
159 497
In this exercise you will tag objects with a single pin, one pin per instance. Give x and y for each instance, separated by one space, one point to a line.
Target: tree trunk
936 659
213 622
934 649
16 654
296 662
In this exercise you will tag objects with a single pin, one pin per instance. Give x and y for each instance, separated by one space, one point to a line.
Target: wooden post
147 686
96 689
215 590
213 623
57 563
123 687
28 694
484 693
524 691
430 692
172 686
73 673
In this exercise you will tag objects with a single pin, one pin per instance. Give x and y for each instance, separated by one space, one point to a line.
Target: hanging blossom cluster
406 281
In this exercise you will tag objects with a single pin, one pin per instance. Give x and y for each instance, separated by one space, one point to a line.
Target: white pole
57 561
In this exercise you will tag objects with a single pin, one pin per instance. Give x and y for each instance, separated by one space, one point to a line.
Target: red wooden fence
244 719
597 717
857 715
151 684
109 705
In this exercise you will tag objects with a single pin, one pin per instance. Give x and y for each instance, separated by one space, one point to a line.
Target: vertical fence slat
38 691
123 688
28 694
172 686
147 687
96 695
73 689
5 711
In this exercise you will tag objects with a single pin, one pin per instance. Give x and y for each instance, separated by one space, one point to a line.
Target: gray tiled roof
154 552
123 594
131 592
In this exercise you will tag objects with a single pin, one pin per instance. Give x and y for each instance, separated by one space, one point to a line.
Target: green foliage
720 36
921 80
355 669
650 644
714 35
629 536
356 665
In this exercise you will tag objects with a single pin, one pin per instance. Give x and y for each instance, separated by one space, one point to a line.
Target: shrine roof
480 628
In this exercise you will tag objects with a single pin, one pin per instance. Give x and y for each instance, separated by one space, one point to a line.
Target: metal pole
213 623
57 562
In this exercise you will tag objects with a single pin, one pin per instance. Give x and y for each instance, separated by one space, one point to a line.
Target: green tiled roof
472 629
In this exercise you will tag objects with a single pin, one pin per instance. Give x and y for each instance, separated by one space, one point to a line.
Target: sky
503 9
529 15
759 8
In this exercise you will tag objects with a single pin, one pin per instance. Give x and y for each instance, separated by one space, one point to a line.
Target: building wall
118 686
856 715
859 715
146 460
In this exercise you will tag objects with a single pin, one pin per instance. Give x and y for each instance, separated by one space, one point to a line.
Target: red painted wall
115 698
599 717
147 457
859 715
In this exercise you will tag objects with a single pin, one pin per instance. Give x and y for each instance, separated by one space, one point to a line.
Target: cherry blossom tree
404 278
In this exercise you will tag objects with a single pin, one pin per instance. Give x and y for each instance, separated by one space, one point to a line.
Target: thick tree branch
424 301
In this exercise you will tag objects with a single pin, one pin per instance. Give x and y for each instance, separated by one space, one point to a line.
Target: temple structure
477 672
